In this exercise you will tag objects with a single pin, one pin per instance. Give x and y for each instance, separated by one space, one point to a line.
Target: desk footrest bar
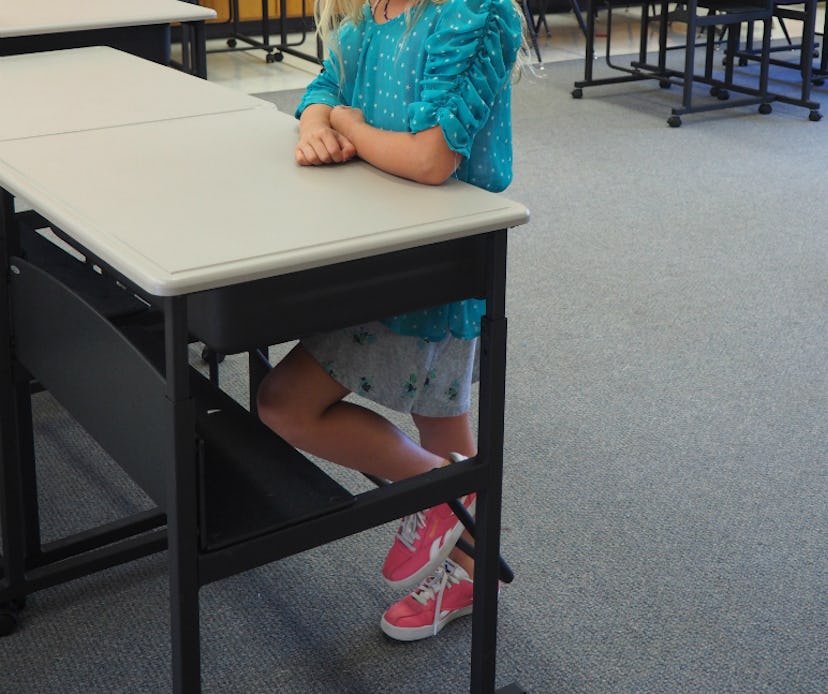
506 573
369 509
632 76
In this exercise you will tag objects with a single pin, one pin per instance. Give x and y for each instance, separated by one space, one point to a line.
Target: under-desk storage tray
264 312
252 482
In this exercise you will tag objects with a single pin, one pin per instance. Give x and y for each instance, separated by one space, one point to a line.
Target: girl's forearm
423 157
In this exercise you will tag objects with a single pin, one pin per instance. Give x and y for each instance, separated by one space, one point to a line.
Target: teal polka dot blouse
451 68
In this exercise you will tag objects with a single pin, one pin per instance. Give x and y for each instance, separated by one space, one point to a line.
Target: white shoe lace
409 531
434 587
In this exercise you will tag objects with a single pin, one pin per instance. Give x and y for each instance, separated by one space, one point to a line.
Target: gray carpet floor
666 445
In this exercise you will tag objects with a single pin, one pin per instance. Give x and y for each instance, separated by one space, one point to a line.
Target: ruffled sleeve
324 89
468 62
332 86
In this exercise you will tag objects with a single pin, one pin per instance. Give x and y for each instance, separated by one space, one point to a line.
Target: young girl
420 89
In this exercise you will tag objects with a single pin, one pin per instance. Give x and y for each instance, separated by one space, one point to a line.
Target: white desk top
32 17
88 88
151 201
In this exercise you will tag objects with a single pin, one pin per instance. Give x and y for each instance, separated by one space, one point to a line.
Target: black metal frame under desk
642 69
154 440
811 74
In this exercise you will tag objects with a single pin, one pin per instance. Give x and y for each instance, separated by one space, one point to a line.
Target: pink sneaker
442 597
423 541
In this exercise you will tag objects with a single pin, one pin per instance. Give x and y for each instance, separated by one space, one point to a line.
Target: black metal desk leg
589 57
198 50
690 56
490 443
181 504
258 366
12 516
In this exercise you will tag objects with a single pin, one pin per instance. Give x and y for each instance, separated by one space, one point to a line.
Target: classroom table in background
274 52
138 27
135 201
643 68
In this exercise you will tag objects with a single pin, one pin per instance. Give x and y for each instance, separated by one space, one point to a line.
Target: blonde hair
330 15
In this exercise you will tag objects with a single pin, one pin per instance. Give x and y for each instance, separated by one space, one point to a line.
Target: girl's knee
294 395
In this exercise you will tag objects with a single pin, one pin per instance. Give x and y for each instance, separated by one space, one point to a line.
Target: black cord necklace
384 9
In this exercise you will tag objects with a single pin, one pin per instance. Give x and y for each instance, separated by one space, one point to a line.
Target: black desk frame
354 291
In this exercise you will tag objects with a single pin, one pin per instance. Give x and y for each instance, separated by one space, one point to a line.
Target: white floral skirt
407 374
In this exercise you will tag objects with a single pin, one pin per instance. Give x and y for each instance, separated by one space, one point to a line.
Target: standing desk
378 246
141 27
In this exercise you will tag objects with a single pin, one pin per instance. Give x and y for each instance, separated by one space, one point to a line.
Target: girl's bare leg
303 404
443 436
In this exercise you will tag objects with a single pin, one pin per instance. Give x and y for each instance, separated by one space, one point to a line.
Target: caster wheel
715 91
231 43
723 95
818 83
674 122
577 93
765 109
665 84
814 116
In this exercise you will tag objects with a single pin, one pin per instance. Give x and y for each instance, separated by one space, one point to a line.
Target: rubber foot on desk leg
814 116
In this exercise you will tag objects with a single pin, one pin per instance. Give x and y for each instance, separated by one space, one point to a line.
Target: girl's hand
344 118
323 145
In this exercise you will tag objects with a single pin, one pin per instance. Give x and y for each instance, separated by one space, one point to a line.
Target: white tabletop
196 203
98 87
32 17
